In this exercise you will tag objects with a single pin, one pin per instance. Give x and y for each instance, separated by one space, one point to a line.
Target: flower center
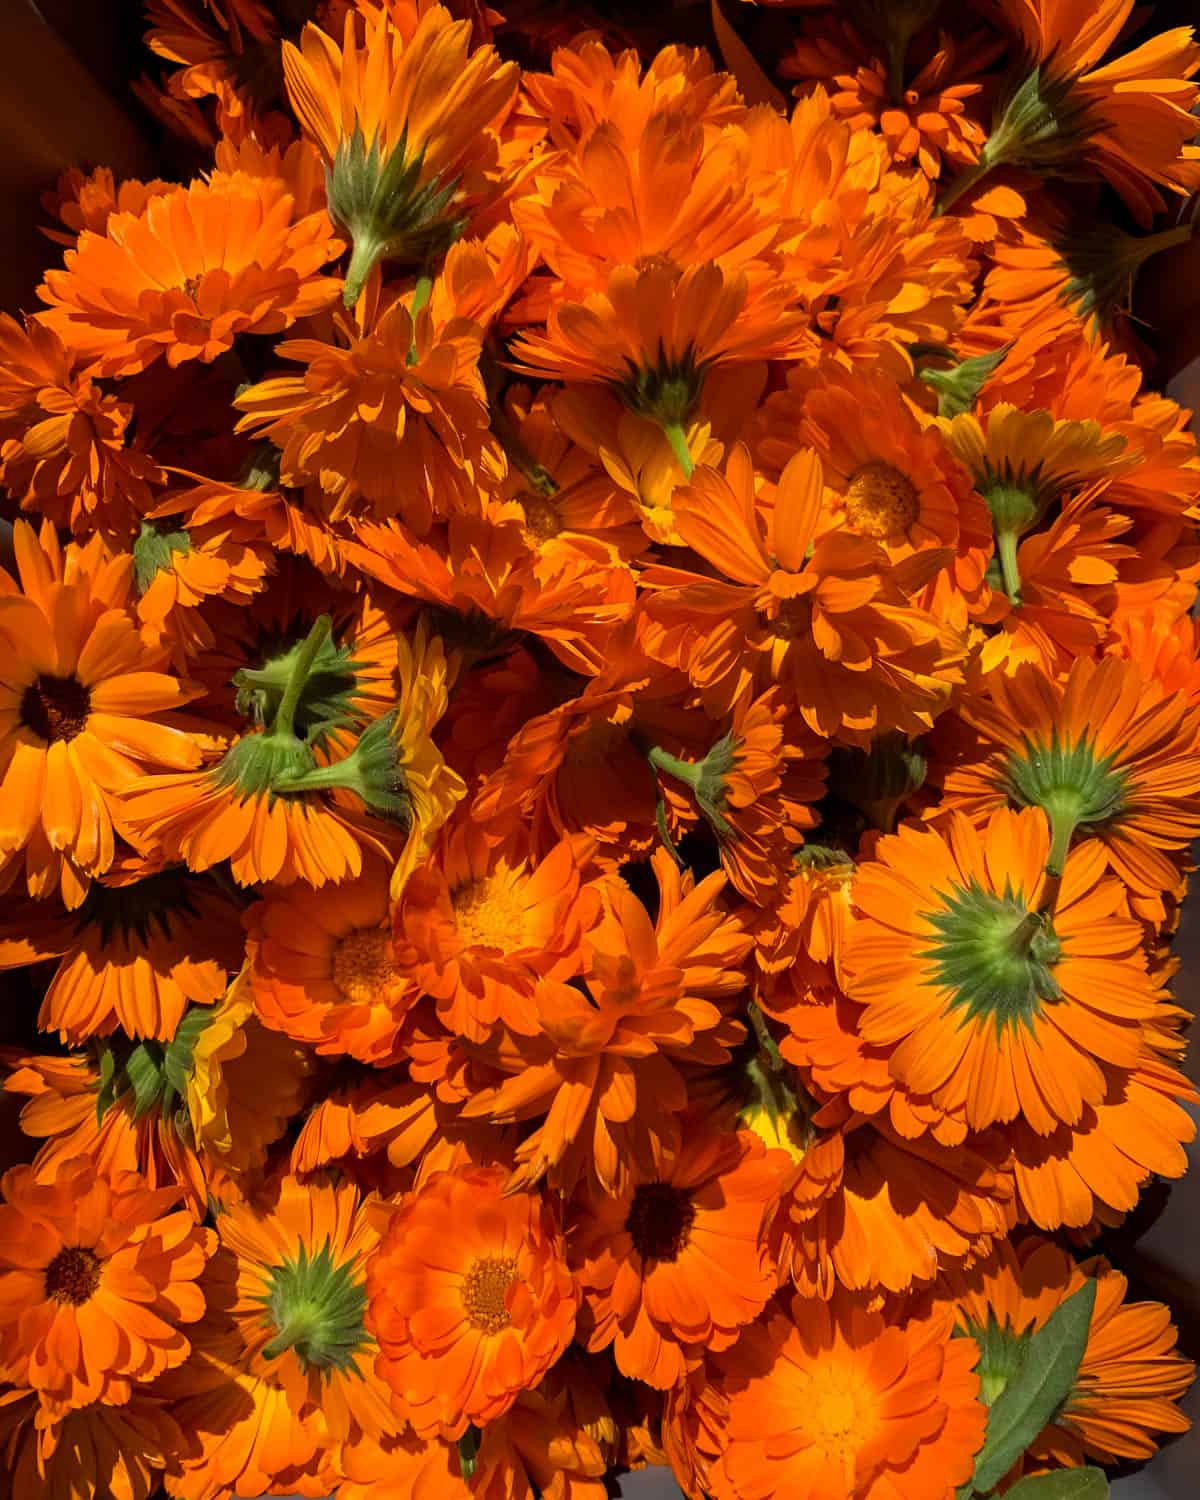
836 1411
363 965
55 708
791 621
995 956
490 914
191 286
73 1275
881 503
484 1292
542 519
660 1220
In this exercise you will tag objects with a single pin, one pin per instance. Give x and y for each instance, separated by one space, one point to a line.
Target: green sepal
1062 1484
666 391
468 1451
316 1307
1040 1388
958 388
152 551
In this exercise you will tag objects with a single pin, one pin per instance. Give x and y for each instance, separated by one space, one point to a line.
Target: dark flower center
660 1220
56 708
73 1275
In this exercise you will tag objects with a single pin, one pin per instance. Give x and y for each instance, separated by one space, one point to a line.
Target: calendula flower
323 967
479 925
996 997
368 425
405 119
67 449
1105 754
172 282
470 1300
673 1264
825 617
135 955
1125 1391
835 1402
78 1453
98 1280
604 1069
85 709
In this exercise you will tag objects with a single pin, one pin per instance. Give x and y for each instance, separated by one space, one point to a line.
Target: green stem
366 252
963 182
664 833
1006 550
679 446
298 1327
285 716
762 1032
1063 809
897 53
319 779
421 294
687 771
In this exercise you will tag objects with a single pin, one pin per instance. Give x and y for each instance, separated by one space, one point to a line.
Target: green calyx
958 387
995 956
136 910
1071 784
1017 503
153 1074
666 392
1001 1355
152 551
315 1307
706 778
879 780
388 211
261 471
1102 261
326 696
373 771
821 857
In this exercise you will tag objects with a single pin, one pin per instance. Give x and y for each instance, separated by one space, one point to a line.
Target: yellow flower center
881 503
542 520
485 1289
490 914
363 964
55 708
837 1410
73 1275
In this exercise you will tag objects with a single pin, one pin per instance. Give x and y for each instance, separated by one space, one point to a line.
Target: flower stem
679 446
687 771
285 715
963 183
762 1032
1063 809
1006 550
421 294
366 252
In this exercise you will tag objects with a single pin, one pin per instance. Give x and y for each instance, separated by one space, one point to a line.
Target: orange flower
369 426
121 1450
406 120
604 1070
97 1278
66 447
85 200
832 1403
403 1466
174 281
135 955
479 926
470 1300
84 710
673 1264
323 968
867 1210
995 994
1105 754
1130 1377
833 626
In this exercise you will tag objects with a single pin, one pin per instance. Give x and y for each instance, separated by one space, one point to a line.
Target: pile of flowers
599 722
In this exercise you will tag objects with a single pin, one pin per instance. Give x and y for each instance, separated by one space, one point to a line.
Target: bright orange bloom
403 1466
604 1070
867 1210
834 1403
96 1279
323 968
995 994
135 955
406 119
176 281
78 1454
1130 1377
673 1264
85 200
470 1300
66 447
368 426
1105 754
833 625
84 710
479 926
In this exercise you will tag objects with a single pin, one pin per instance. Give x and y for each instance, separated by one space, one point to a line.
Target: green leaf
1063 1484
1038 1389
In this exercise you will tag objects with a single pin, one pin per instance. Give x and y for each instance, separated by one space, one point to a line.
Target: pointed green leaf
1038 1389
1063 1484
